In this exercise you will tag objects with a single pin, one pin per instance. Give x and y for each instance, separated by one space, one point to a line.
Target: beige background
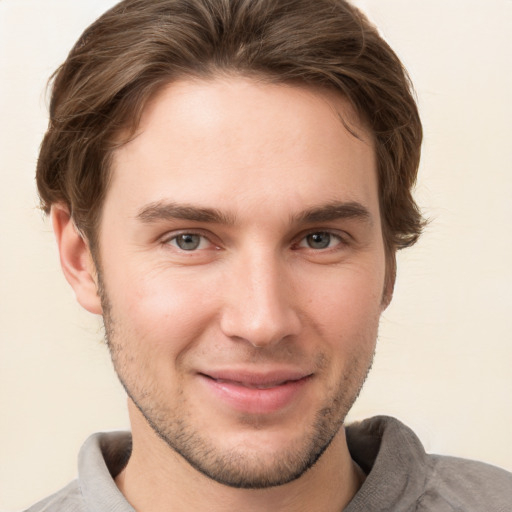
444 359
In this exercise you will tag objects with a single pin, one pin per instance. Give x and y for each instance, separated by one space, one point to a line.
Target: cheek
159 311
347 300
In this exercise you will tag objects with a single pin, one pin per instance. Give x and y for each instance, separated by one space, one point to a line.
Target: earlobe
76 259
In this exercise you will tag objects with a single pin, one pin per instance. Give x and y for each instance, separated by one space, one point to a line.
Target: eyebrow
334 211
160 210
165 211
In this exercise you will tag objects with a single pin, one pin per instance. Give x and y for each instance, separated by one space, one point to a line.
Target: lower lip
256 401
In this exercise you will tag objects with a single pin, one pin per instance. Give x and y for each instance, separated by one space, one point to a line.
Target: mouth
250 385
256 380
255 393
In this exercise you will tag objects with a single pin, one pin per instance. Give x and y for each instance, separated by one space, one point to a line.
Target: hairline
127 133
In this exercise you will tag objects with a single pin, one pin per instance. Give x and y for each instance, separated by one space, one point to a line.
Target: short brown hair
139 46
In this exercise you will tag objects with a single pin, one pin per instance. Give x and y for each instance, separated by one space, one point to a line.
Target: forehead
239 143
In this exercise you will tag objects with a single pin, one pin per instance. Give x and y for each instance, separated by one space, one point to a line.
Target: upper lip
257 378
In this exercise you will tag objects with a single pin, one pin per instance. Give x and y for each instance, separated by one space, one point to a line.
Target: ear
389 280
76 259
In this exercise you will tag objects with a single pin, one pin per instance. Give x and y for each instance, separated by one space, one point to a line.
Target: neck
157 479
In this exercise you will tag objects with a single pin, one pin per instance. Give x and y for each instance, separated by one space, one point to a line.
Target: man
229 182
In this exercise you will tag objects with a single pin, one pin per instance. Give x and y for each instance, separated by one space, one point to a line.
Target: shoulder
68 499
465 485
402 477
101 458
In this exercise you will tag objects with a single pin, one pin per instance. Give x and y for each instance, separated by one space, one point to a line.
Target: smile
256 394
254 386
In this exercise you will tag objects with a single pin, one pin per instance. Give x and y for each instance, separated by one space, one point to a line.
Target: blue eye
320 240
189 241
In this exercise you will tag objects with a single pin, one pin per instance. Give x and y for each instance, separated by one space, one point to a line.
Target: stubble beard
236 467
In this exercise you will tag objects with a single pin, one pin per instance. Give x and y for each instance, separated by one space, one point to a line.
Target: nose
259 302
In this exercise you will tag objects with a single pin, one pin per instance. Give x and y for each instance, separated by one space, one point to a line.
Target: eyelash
332 235
341 239
168 240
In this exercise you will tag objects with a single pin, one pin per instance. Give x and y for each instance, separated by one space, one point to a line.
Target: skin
281 272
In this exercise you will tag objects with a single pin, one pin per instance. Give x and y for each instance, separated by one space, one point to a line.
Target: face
243 267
